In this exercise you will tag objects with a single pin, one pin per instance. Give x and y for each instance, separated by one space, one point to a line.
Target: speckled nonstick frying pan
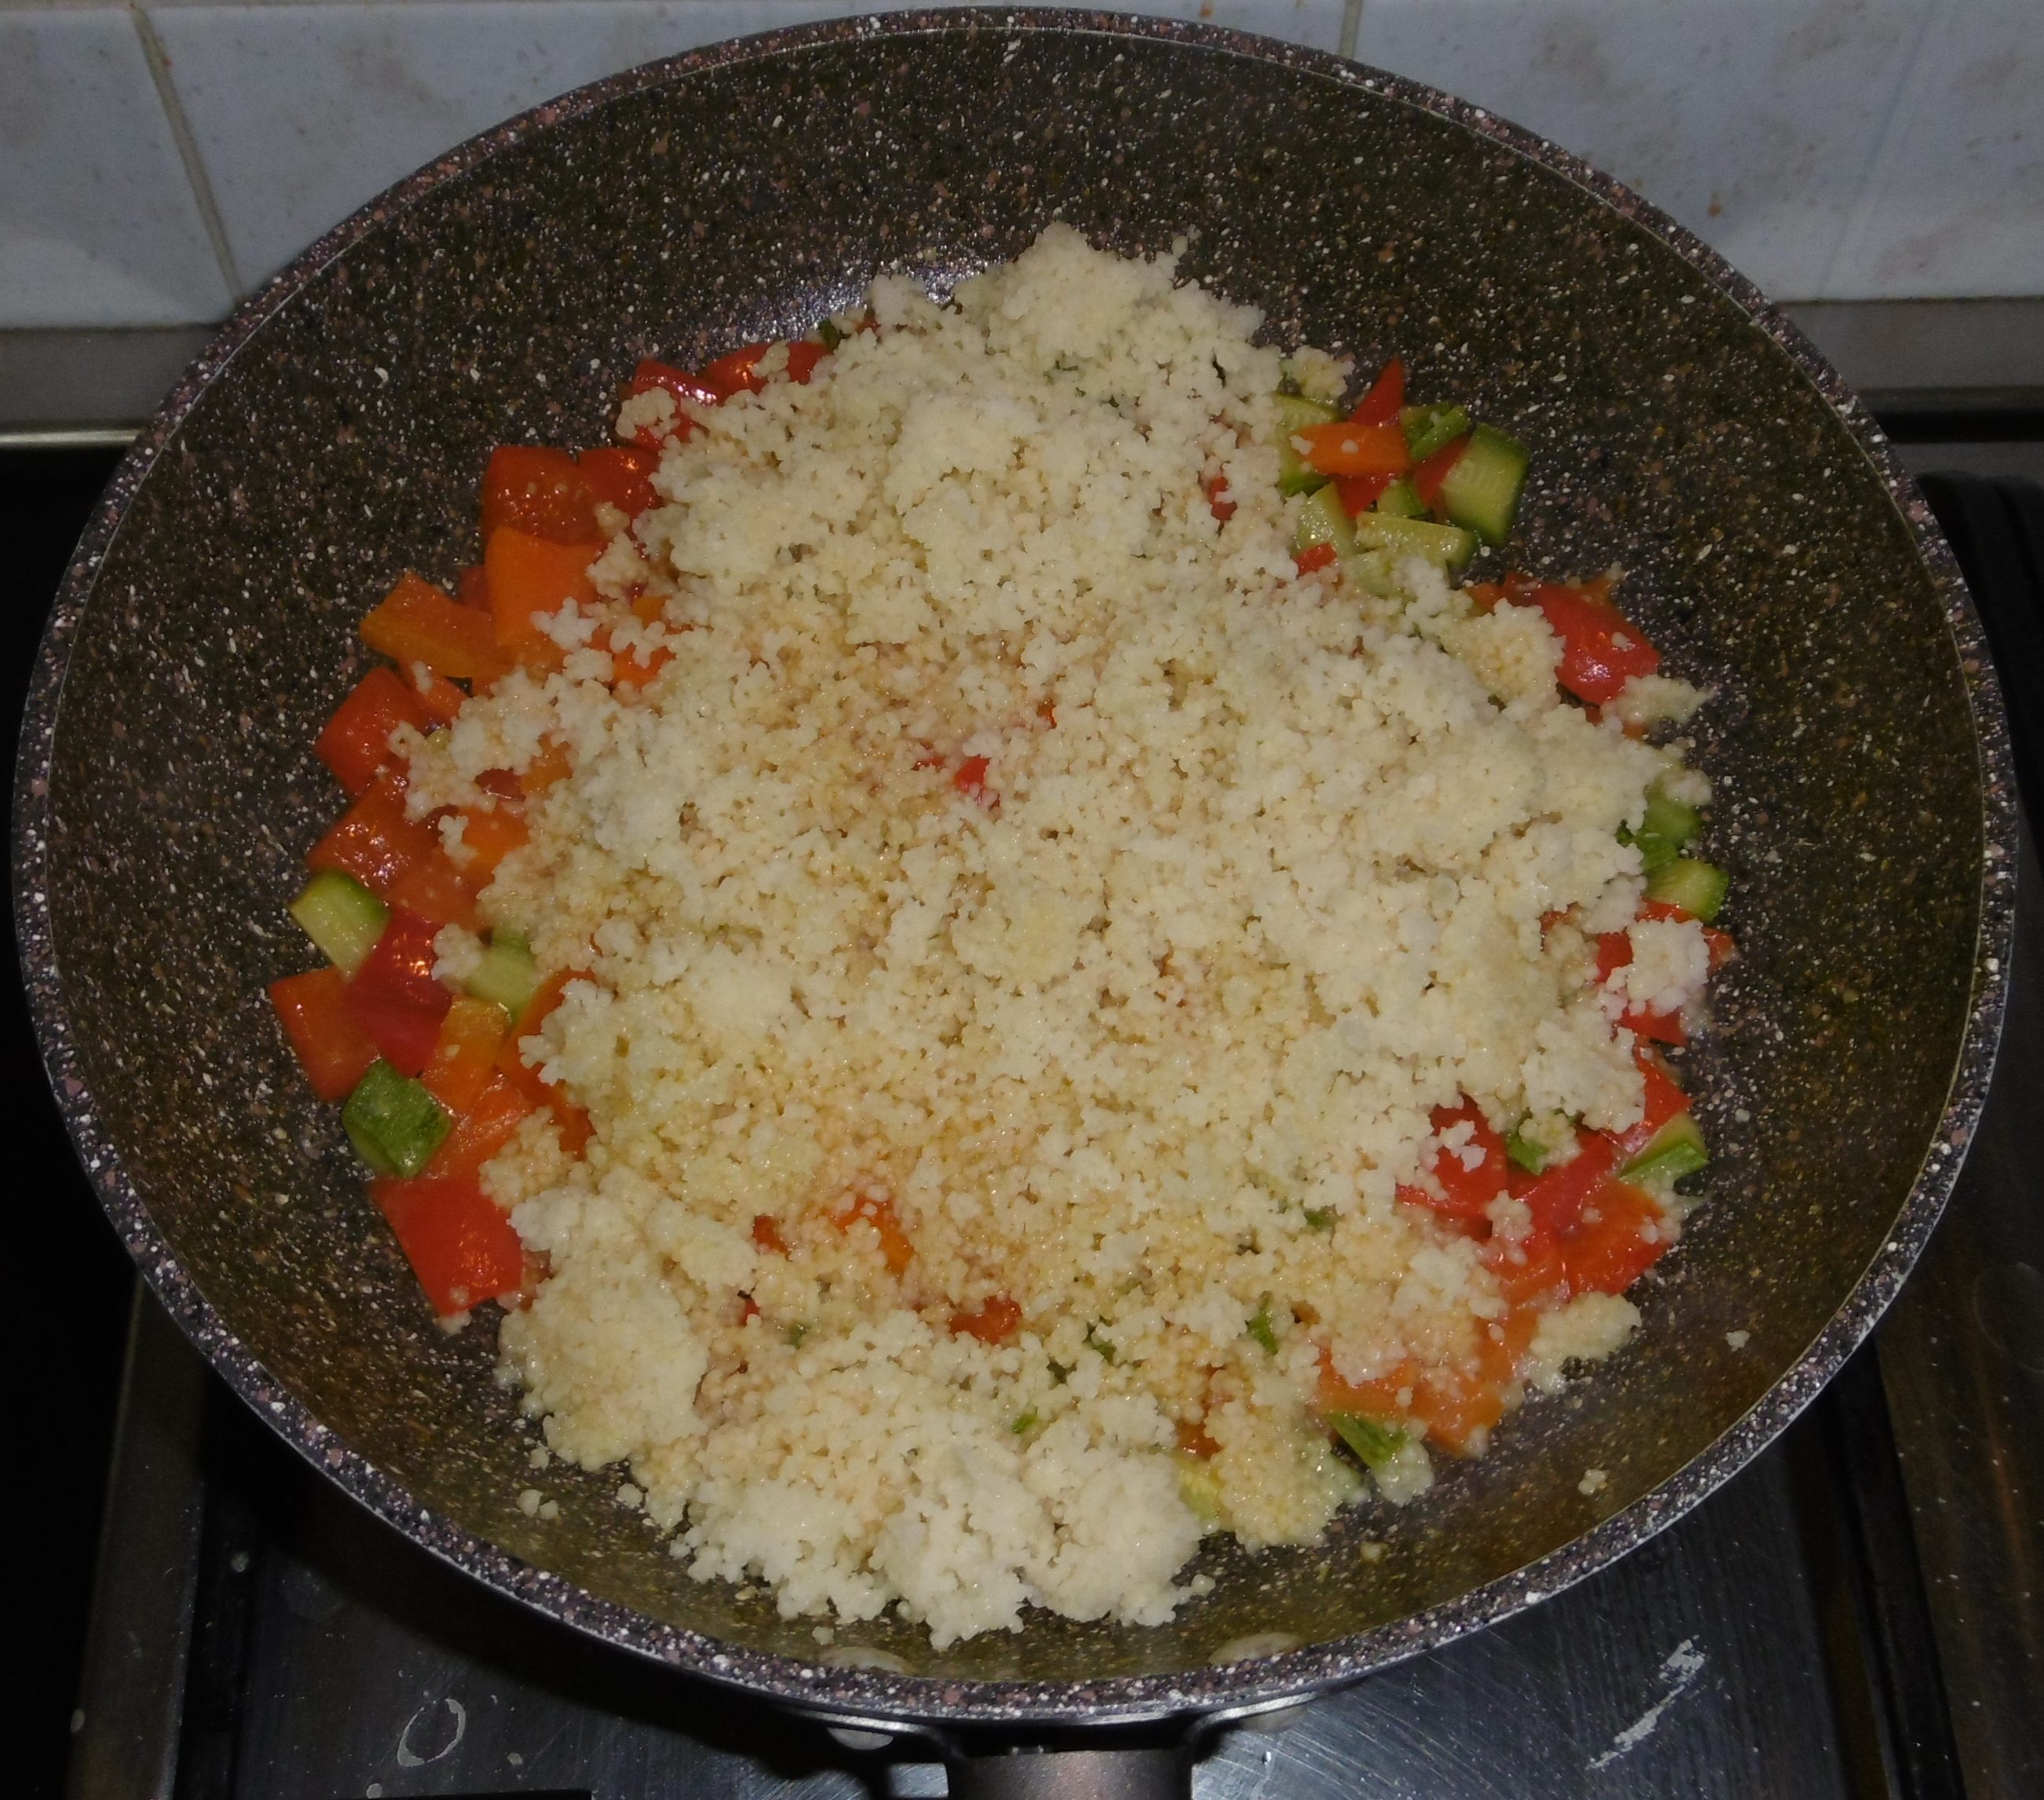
334 435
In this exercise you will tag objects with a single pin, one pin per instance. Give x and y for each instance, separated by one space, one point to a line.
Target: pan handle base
1147 1774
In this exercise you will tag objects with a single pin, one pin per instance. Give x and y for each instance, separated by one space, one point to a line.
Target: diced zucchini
1677 1149
1429 428
1482 490
1698 888
1447 547
1200 1488
1324 520
507 974
1296 412
1263 1330
1528 1156
1321 1218
1669 829
342 918
1402 501
394 1123
1375 1444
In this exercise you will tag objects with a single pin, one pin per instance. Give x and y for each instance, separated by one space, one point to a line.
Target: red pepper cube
332 1047
459 1243
355 742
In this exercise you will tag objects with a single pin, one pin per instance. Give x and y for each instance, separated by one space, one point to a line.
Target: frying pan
334 434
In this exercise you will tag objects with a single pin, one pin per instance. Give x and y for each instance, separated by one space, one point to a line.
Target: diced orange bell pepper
766 1234
465 1059
418 623
528 576
333 1050
355 742
1456 1405
473 588
490 837
373 840
895 1248
1347 448
552 764
459 1243
488 1125
998 1320
631 669
573 1123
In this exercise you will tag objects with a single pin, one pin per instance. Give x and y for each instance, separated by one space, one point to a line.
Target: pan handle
1028 1774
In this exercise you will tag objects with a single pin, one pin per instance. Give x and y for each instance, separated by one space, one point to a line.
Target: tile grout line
1903 107
1351 30
181 135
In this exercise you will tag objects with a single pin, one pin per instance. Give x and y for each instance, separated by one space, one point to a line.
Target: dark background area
72 1281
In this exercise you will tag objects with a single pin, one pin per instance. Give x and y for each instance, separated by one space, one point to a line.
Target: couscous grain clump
1024 936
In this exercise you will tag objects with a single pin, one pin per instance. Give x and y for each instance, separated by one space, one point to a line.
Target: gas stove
1856 1614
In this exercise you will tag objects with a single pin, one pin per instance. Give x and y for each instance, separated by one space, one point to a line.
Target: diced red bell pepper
1314 556
355 742
970 780
803 356
395 998
1387 394
1219 500
1358 493
998 1320
1346 448
622 475
332 1049
472 587
736 371
459 1243
1601 649
373 840
766 1234
679 382
488 1125
1427 477
1556 1197
1607 1255
1722 946
1664 1101
1614 952
541 491
1466 1191
418 623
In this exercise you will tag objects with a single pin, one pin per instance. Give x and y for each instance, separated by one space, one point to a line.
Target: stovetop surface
1841 1619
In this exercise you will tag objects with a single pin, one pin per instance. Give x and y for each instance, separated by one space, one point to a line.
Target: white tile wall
1955 204
1831 149
1755 122
98 225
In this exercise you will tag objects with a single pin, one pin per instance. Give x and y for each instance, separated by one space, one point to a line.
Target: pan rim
881 1695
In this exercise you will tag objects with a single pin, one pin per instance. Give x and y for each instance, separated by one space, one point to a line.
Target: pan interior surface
741 195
